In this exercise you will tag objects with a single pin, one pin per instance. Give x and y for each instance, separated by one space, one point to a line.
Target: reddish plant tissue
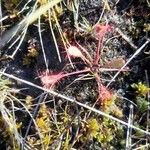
105 94
74 52
50 79
100 30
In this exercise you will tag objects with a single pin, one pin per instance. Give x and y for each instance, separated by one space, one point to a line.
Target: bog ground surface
74 74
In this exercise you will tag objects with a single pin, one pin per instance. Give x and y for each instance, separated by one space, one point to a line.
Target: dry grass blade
32 118
126 38
148 99
129 130
76 102
130 59
1 16
142 147
41 99
54 38
34 15
20 42
9 118
41 41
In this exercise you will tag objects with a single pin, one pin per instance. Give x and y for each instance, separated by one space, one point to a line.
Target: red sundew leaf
100 30
105 94
73 51
49 80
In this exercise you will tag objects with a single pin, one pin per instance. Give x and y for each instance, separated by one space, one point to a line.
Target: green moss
140 88
103 131
142 104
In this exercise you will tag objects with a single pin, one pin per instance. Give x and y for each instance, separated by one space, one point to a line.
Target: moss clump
140 88
103 131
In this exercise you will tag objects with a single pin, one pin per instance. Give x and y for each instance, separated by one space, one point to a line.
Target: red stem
76 72
98 52
99 84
